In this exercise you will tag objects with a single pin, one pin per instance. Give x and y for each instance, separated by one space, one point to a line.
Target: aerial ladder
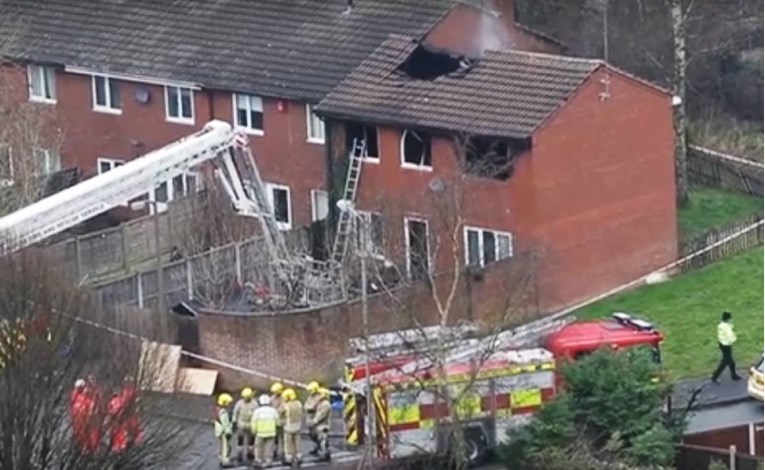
216 143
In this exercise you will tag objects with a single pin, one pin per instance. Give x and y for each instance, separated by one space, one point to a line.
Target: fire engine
489 391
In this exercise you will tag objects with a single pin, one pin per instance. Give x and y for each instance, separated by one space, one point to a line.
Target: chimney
349 8
505 8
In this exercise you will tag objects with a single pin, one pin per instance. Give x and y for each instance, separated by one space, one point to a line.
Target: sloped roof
285 48
506 93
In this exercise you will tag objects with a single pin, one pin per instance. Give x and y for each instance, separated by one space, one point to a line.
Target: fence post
238 255
732 458
189 280
139 289
124 247
78 256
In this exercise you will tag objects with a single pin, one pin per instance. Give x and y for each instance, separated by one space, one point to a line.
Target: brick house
567 157
127 77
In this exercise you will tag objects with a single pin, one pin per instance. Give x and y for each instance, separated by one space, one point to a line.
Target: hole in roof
425 63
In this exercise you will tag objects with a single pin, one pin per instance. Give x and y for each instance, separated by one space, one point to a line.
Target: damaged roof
283 48
505 93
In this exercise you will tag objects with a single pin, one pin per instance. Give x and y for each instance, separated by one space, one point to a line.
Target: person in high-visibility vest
320 424
245 440
310 410
276 401
223 428
292 416
264 421
725 339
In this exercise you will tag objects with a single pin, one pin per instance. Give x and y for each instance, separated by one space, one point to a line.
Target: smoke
493 33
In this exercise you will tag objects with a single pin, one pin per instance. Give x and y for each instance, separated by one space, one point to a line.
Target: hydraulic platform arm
103 192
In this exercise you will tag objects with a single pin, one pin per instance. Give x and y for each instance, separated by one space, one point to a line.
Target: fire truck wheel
476 445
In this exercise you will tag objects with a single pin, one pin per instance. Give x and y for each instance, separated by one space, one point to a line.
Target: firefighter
276 401
292 416
310 409
245 440
264 421
124 425
223 428
82 407
320 424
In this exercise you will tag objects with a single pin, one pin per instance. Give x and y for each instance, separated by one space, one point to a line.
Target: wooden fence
710 168
691 457
737 245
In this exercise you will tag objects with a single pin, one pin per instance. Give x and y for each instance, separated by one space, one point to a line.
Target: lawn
687 309
712 207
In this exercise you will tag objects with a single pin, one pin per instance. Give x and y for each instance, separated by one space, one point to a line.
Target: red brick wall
313 345
603 174
469 31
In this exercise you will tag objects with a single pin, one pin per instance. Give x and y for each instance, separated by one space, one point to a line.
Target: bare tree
50 337
679 15
30 143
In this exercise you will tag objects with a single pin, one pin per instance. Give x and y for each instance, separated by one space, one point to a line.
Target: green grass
687 309
712 207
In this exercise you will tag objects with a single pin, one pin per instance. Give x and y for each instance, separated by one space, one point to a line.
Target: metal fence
690 457
745 241
710 168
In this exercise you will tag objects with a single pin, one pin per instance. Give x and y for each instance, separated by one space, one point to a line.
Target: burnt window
425 63
357 131
491 158
415 149
417 249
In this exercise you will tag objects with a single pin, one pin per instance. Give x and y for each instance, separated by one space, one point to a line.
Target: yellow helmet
313 387
277 387
324 392
247 393
289 394
224 399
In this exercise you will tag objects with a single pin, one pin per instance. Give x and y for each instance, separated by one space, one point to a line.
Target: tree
50 336
679 23
609 415
30 142
428 291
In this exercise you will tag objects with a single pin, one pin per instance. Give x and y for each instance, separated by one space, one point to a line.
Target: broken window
279 197
424 63
319 204
359 131
370 233
415 149
417 250
491 158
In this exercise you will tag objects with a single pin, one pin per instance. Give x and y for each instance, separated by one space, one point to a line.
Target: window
47 162
248 113
488 158
319 205
179 104
356 131
486 246
42 83
108 164
106 94
370 233
415 150
417 250
315 126
6 166
178 187
279 198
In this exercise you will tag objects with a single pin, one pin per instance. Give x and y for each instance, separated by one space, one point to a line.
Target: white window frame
44 73
171 196
112 162
109 107
408 247
270 187
365 238
7 182
51 160
412 166
248 127
481 231
179 119
310 131
314 208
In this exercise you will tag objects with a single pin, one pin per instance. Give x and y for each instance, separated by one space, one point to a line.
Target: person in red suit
82 404
124 424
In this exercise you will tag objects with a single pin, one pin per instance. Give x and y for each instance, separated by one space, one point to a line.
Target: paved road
710 394
731 415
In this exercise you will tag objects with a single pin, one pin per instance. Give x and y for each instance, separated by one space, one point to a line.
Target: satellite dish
436 184
142 95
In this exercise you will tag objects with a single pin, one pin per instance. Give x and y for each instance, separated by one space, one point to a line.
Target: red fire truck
489 395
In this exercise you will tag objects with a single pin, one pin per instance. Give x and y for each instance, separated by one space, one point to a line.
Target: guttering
133 78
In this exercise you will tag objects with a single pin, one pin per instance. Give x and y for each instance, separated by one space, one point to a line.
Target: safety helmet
246 393
79 383
224 399
289 394
264 400
277 387
313 387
